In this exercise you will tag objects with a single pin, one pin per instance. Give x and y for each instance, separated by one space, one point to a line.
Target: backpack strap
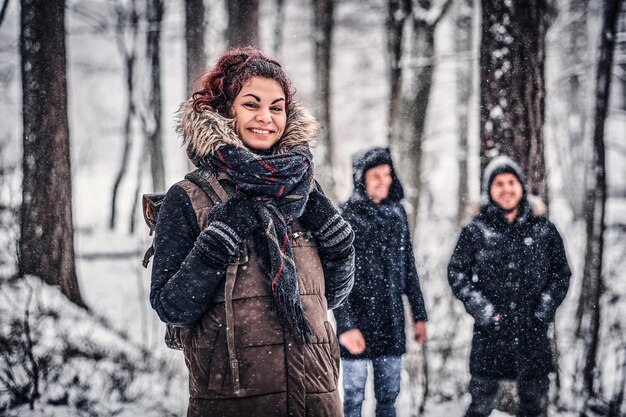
231 274
205 179
146 256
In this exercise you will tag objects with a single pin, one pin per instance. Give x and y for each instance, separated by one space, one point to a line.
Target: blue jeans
386 385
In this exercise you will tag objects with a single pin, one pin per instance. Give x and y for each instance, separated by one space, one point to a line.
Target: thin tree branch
3 12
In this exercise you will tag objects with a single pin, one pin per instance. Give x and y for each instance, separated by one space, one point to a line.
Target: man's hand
353 341
420 332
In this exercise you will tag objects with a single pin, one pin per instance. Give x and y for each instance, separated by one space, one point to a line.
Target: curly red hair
221 83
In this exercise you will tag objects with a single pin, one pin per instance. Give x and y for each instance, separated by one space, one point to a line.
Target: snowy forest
88 92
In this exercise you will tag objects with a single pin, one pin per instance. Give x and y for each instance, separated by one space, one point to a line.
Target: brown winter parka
275 373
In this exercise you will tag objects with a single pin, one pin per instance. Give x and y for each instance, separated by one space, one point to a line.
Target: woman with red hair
256 342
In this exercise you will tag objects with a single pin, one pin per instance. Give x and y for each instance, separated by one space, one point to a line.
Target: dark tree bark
323 35
407 146
154 12
512 86
243 23
127 23
464 11
194 40
620 63
397 13
46 245
3 10
595 207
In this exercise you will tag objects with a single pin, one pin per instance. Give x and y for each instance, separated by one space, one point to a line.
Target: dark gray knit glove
324 220
228 225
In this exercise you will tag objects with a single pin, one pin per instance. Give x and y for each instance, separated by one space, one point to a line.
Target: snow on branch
430 15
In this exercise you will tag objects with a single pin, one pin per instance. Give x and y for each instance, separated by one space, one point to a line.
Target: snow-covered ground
81 363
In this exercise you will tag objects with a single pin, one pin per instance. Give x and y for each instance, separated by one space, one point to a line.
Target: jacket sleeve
558 283
185 276
335 246
411 282
344 315
460 274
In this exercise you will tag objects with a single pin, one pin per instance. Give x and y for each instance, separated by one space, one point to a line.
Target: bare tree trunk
155 9
46 245
512 86
243 23
413 114
620 63
3 10
397 12
323 35
464 74
194 40
279 22
575 116
136 195
408 146
130 19
595 207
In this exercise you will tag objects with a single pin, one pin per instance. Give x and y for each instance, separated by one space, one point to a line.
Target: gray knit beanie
499 165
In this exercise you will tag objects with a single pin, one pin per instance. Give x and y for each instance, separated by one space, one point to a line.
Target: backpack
206 180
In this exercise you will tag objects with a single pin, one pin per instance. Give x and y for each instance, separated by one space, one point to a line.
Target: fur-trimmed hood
537 208
207 131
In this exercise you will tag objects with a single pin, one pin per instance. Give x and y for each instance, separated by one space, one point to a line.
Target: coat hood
207 131
370 158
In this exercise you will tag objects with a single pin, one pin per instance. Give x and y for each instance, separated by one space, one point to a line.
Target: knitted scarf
279 184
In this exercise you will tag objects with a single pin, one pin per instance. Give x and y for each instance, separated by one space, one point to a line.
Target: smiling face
378 182
260 113
506 191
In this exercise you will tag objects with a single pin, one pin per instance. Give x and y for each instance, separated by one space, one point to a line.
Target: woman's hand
228 225
323 219
318 211
238 214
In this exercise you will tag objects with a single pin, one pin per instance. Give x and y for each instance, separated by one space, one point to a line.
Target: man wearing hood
510 270
370 324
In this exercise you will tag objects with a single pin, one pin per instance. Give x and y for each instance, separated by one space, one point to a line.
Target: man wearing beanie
510 271
370 324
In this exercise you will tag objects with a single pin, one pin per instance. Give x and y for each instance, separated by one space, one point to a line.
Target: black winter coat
518 270
385 267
